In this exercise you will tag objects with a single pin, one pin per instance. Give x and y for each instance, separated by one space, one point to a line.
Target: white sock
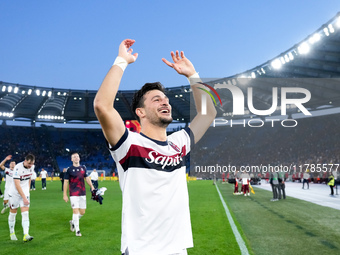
75 220
25 221
11 222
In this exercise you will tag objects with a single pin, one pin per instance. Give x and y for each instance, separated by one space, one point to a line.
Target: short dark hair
30 157
138 97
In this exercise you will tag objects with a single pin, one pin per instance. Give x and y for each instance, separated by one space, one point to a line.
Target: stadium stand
314 61
317 56
53 147
312 141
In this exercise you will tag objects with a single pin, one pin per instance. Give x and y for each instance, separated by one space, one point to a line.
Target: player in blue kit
74 179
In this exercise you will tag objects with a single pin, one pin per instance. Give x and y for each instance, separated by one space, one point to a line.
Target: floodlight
283 61
276 64
325 30
290 55
315 38
304 48
286 58
337 23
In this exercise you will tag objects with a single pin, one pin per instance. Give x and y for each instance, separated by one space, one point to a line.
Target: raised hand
8 157
181 64
126 52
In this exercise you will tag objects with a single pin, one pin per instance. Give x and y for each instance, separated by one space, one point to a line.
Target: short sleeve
85 175
66 174
16 173
183 138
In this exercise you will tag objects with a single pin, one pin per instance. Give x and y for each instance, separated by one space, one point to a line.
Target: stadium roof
318 56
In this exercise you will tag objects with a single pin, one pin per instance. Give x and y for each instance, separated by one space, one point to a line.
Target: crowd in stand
52 146
19 141
313 141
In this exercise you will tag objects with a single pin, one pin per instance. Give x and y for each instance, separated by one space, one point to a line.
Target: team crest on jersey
174 146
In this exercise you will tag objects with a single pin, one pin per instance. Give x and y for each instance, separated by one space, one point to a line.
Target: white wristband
121 62
194 79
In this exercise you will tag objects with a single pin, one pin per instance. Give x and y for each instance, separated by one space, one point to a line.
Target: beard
160 121
164 122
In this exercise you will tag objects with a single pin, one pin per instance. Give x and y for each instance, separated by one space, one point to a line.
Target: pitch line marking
241 243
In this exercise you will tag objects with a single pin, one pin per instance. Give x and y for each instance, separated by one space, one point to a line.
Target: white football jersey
24 175
152 177
94 176
43 174
9 178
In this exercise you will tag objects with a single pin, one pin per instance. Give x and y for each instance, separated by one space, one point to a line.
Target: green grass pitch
285 227
289 226
100 227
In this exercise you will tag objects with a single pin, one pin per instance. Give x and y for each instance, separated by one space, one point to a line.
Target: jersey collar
164 143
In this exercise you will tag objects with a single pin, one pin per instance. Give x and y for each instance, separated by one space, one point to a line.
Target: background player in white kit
151 165
9 179
19 196
43 175
94 178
